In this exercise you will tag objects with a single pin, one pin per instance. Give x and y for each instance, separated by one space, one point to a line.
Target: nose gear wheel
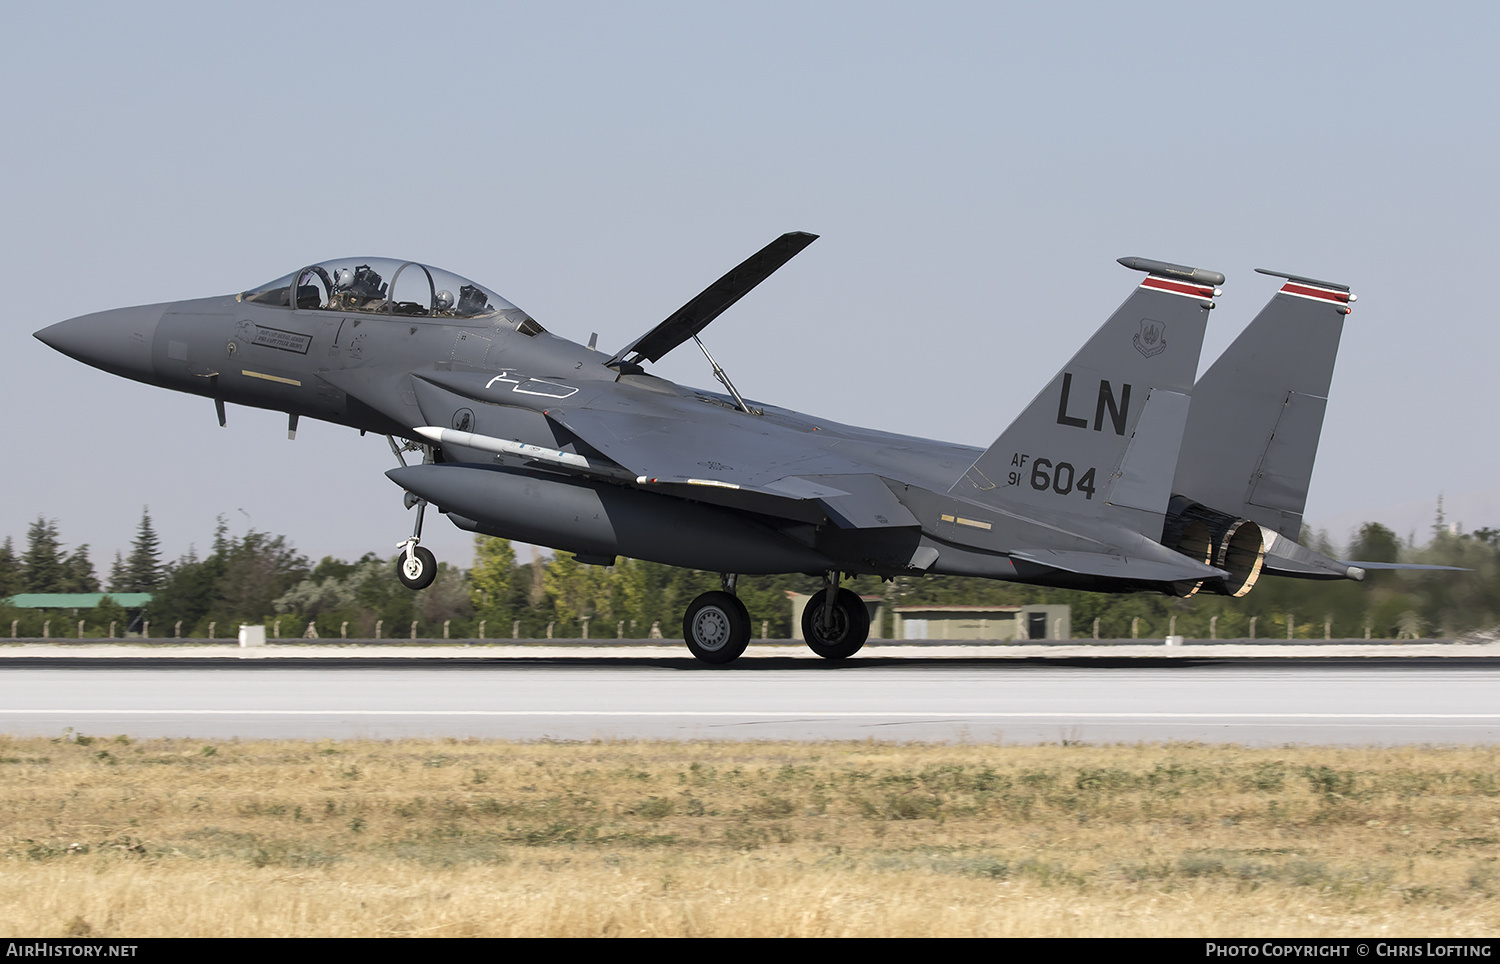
416 569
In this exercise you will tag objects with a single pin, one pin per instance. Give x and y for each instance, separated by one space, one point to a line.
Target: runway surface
1254 701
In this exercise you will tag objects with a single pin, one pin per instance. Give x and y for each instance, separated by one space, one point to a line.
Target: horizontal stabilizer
1120 567
693 317
1406 566
1285 557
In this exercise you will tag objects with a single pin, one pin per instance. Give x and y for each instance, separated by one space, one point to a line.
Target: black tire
716 627
851 625
418 571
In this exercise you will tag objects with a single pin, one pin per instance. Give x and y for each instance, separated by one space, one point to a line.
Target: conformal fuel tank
599 519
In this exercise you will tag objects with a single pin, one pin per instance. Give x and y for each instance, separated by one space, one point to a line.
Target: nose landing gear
417 566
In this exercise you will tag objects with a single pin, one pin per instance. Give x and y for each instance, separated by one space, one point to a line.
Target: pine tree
42 568
143 570
78 572
10 570
118 577
1375 543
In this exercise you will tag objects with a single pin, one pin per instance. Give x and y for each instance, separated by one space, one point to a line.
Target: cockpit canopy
387 286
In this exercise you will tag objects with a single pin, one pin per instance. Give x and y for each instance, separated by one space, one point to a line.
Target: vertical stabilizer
1257 414
1101 439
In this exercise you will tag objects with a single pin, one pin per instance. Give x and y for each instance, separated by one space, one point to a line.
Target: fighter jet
525 435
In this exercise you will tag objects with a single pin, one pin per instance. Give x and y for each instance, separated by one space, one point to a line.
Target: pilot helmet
444 300
343 278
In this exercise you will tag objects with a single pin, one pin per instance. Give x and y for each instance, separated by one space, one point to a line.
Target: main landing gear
835 631
717 626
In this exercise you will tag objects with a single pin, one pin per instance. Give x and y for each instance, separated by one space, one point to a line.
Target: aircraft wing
675 442
693 317
1406 567
731 453
742 454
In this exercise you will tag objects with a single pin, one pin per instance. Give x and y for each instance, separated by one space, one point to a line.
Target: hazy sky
973 170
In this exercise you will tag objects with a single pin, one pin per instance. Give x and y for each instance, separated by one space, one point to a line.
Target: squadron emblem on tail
1152 339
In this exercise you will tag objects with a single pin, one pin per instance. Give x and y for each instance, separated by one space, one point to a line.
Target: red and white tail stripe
1185 288
1302 289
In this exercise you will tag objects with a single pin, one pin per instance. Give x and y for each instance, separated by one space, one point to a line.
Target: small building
73 602
955 622
982 622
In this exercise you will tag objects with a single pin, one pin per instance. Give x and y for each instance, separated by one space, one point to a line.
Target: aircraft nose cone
117 341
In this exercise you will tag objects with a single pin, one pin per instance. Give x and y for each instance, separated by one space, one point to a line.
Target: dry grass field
112 837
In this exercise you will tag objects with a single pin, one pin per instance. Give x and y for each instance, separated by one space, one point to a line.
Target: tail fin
1101 439
1257 413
